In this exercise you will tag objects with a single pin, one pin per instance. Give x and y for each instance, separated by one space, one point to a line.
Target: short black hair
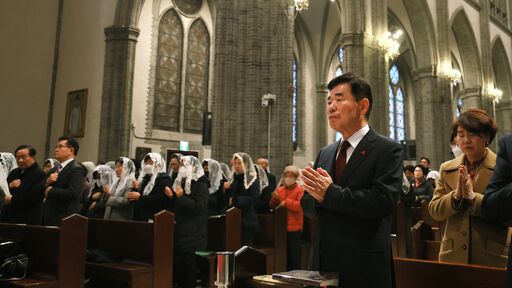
31 150
423 169
409 168
72 143
359 87
428 160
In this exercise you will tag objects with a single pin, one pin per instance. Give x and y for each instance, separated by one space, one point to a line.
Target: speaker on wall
207 128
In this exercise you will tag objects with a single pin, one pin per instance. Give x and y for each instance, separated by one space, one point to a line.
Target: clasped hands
464 187
316 182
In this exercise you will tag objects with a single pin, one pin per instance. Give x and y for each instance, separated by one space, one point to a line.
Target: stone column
362 55
485 52
253 57
116 107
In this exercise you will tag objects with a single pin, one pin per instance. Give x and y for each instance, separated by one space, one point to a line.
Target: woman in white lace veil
262 176
227 173
7 164
174 165
90 168
190 206
148 192
102 180
243 192
118 206
217 201
50 164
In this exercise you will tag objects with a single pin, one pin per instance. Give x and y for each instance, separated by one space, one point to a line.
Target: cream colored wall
27 30
81 65
142 77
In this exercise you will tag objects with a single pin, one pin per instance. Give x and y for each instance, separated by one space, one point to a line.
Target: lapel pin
363 152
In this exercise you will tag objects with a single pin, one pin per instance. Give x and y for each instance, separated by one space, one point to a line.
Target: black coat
354 219
245 200
497 201
27 199
191 212
217 201
262 206
424 192
64 198
148 205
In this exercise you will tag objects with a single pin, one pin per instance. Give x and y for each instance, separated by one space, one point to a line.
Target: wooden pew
428 274
57 254
307 237
423 244
146 248
398 231
224 234
271 239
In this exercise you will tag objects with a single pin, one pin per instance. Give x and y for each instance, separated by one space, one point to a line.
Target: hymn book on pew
310 278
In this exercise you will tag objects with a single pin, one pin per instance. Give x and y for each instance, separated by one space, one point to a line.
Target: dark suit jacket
497 201
354 220
27 199
64 197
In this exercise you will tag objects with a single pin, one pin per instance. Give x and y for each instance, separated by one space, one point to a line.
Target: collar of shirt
63 164
354 140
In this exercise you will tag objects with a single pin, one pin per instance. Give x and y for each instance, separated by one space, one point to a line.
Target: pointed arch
166 109
423 32
501 68
196 79
466 41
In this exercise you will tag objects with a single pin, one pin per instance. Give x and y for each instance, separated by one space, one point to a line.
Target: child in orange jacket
288 194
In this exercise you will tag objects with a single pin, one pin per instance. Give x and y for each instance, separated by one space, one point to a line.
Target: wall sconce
452 74
496 94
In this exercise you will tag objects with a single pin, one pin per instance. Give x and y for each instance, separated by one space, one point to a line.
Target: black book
310 278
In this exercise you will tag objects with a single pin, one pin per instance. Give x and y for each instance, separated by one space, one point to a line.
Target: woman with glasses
469 237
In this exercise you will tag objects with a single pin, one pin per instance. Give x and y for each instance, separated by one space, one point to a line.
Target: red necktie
341 161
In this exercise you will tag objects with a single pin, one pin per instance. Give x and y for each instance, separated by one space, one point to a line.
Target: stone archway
502 79
470 58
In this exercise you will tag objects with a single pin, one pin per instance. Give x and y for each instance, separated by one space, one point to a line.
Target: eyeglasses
59 146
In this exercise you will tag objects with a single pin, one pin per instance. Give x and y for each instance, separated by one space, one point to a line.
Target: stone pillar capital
114 33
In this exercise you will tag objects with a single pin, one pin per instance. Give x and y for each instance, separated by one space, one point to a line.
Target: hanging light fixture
301 5
388 42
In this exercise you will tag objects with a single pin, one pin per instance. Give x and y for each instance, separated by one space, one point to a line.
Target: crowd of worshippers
122 190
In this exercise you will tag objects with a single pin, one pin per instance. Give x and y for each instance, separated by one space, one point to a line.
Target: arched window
294 104
166 109
196 79
396 105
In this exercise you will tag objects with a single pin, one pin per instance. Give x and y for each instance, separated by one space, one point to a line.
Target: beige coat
469 238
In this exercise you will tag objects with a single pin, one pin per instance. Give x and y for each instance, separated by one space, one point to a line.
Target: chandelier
451 74
301 5
388 42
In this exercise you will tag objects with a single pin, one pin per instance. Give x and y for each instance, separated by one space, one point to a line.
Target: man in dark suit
62 194
262 206
351 191
497 201
26 184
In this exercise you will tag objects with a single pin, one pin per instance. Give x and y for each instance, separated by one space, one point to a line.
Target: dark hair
409 168
72 143
146 158
423 169
359 87
119 161
31 150
476 121
428 160
205 163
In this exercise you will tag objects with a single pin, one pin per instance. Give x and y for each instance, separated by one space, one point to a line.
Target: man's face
262 163
62 151
342 108
424 163
409 174
23 158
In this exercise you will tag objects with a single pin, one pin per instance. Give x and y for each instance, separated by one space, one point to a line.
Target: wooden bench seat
146 249
57 254
271 239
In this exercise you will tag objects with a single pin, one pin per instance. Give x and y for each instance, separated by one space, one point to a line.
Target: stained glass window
166 109
196 79
396 106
